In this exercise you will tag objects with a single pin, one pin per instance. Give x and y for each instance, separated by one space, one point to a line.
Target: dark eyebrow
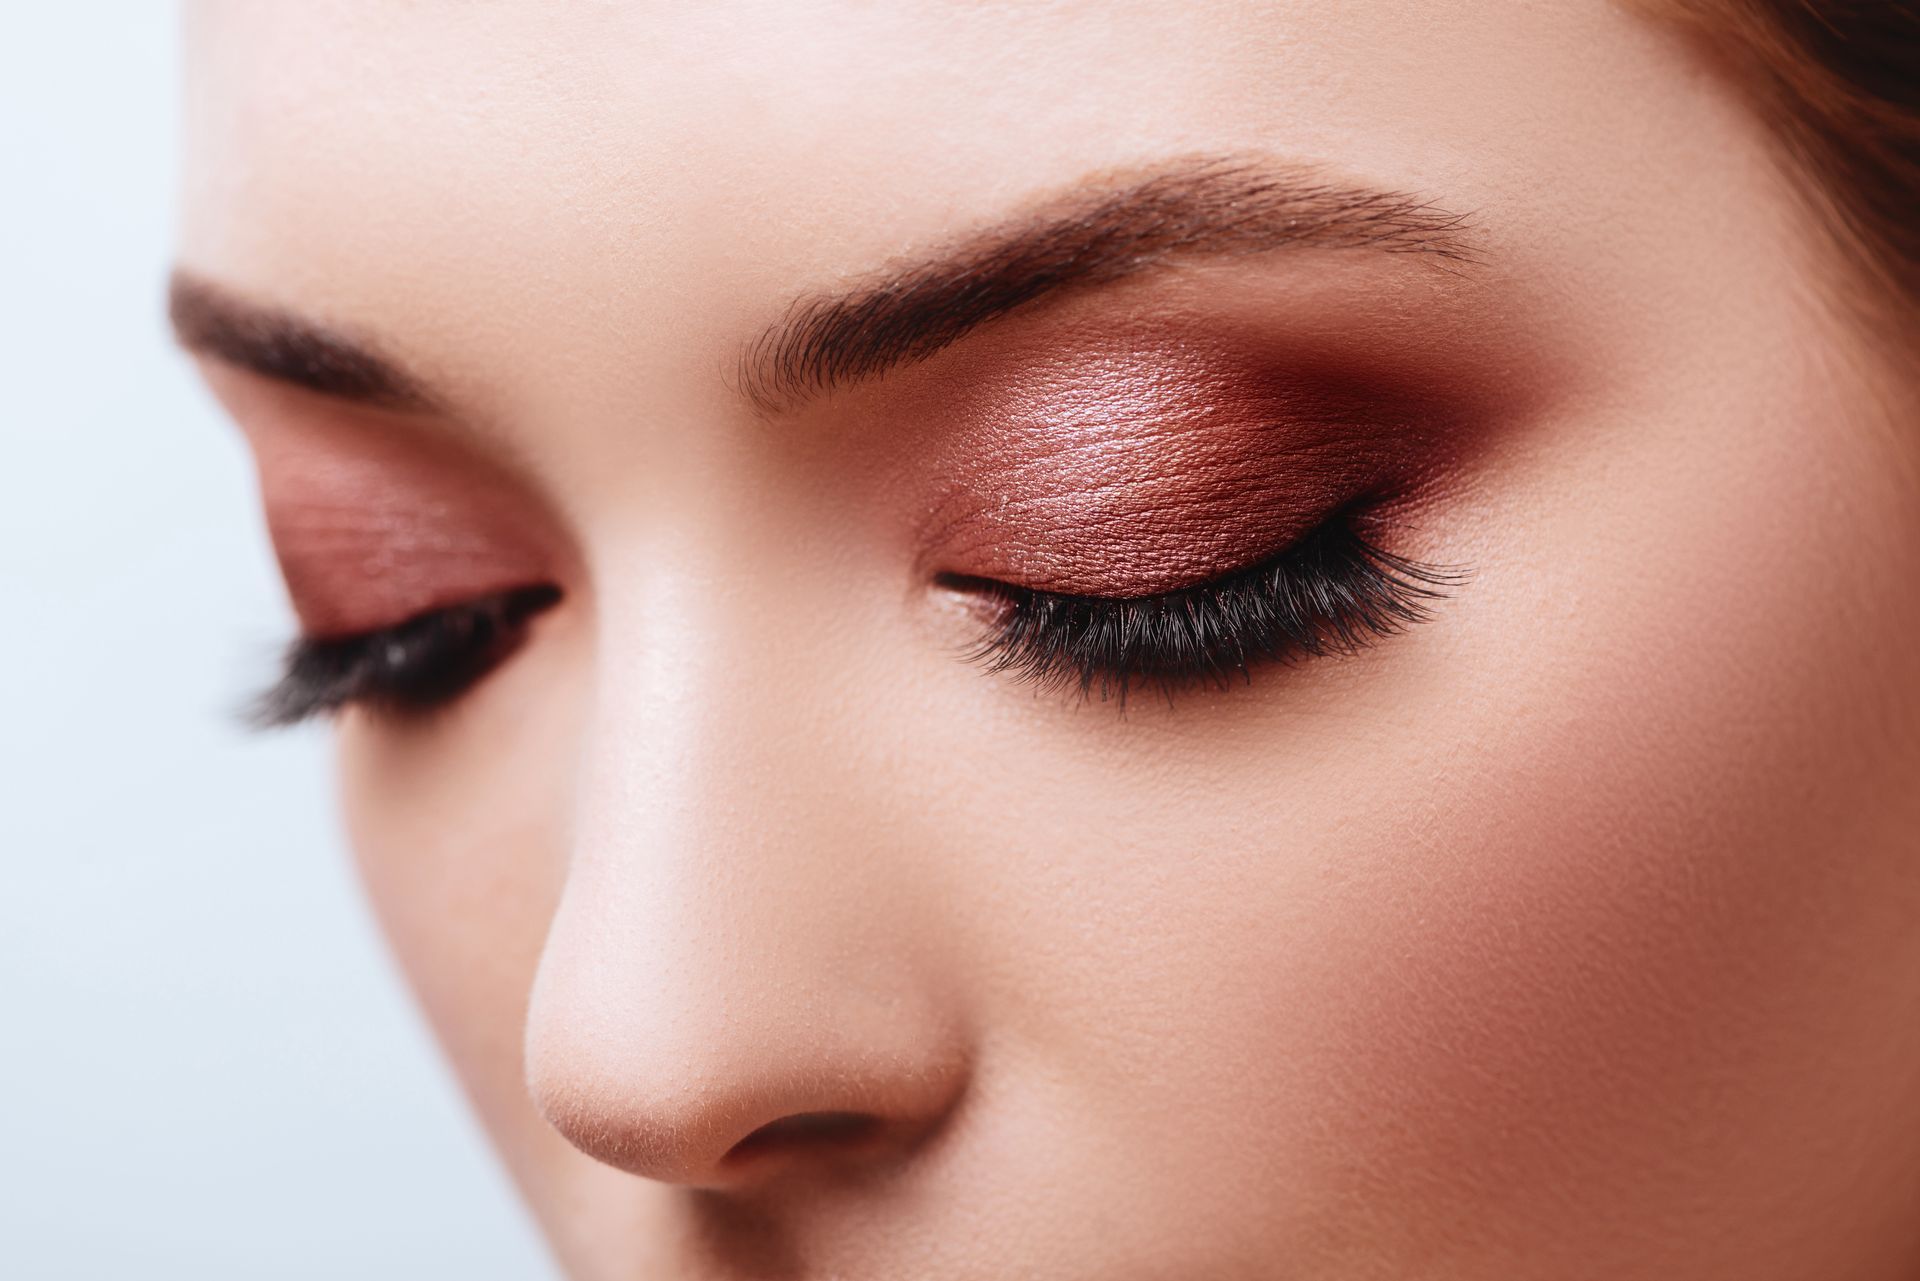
1101 231
213 321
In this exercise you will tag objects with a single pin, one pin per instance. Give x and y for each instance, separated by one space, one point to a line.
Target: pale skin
1571 932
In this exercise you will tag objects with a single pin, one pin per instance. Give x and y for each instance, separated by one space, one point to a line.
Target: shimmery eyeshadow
373 522
1140 463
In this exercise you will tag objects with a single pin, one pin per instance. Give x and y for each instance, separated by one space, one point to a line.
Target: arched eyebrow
211 320
1099 231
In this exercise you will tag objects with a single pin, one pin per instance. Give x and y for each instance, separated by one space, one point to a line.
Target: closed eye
412 667
1332 591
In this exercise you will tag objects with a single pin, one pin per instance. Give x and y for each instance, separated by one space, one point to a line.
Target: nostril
820 1132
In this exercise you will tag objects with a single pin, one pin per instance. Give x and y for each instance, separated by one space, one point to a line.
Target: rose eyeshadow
1141 462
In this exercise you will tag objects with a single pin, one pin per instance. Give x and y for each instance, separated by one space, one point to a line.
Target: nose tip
728 1116
721 1134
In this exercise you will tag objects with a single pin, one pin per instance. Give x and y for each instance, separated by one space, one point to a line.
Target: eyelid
376 515
1113 479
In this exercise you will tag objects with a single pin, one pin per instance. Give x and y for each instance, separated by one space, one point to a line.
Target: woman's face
819 354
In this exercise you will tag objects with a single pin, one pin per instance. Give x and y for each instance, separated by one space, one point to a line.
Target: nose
741 982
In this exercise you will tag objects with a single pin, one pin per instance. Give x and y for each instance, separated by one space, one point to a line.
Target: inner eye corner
523 603
969 584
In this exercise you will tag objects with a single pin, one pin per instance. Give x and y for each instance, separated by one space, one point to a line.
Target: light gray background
207 1066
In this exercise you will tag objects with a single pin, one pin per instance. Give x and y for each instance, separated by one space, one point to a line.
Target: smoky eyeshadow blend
1143 459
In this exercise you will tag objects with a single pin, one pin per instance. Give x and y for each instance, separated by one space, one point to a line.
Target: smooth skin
1573 933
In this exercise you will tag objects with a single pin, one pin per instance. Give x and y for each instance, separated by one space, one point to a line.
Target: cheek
1601 970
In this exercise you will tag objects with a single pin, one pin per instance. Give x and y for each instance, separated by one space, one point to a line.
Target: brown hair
1840 81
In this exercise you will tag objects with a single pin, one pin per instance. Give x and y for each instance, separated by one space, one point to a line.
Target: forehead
678 171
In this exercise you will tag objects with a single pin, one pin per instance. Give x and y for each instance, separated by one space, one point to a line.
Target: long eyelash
413 666
1331 592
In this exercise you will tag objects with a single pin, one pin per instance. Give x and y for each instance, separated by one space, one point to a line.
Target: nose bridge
739 942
